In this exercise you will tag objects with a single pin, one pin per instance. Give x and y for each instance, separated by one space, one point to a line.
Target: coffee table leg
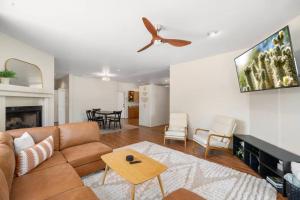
161 186
132 191
105 172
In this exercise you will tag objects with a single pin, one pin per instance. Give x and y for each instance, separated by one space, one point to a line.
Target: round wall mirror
27 74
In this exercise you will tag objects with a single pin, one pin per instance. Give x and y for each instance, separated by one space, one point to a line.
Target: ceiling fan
155 37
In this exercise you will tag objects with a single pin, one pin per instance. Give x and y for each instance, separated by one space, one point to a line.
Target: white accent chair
218 137
177 129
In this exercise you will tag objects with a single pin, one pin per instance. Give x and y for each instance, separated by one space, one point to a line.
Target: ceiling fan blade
176 42
150 27
146 47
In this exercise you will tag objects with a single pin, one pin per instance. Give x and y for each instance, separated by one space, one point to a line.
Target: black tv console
263 157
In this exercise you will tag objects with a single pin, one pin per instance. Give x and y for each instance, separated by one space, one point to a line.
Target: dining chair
89 115
116 119
99 119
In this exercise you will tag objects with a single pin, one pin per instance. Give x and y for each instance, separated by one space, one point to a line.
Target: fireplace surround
23 117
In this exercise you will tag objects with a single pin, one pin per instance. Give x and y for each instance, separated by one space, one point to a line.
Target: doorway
121 104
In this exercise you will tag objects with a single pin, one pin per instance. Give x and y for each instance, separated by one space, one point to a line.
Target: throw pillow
30 158
23 142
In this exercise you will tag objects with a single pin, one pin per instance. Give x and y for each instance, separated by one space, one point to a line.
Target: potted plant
6 75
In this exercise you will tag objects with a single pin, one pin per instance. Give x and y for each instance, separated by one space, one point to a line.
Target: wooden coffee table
134 173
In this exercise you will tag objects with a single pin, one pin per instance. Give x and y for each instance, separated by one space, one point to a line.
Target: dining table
105 114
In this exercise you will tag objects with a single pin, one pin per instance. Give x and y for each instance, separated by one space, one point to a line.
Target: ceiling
88 35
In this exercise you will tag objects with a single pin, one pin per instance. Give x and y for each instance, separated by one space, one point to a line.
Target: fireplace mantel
45 96
14 90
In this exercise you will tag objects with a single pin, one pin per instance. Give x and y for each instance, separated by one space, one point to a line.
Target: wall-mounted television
268 65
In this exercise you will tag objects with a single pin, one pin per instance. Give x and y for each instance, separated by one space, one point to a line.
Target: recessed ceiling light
213 33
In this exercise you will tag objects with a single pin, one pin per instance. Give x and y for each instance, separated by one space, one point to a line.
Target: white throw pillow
23 142
296 169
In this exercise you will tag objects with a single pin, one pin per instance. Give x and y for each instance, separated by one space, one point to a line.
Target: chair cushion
176 128
45 183
183 194
78 133
223 125
175 134
178 120
85 153
202 139
79 193
39 134
56 159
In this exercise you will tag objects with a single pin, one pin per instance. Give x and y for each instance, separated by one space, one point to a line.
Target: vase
4 80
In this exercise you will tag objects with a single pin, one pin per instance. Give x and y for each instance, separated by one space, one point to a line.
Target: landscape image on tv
268 65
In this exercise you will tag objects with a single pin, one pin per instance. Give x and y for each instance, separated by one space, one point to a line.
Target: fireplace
23 117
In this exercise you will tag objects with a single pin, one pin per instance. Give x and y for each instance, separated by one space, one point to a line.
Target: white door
121 104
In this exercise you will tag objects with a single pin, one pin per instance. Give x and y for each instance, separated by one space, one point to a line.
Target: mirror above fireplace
27 74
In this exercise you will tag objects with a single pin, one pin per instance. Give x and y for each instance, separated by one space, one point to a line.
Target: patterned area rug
210 180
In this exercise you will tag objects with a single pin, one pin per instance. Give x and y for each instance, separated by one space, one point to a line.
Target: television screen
268 65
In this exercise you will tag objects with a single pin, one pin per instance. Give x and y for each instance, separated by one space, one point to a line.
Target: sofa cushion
85 153
92 167
182 194
78 133
79 193
7 163
4 191
6 139
45 183
39 134
56 159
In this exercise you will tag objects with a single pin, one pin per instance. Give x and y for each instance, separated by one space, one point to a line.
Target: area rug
209 180
125 127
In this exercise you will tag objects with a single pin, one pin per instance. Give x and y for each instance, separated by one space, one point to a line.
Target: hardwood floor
155 135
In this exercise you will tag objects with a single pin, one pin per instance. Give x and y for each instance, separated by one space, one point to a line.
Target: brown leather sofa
77 153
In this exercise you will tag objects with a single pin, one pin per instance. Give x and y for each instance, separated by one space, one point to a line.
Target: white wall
11 48
275 114
161 105
153 105
88 93
63 83
209 86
